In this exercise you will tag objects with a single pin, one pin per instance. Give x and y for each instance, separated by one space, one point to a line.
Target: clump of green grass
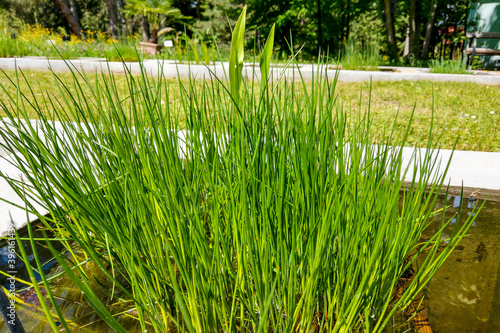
447 66
270 211
361 57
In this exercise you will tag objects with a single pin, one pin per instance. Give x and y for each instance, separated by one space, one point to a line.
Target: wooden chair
472 50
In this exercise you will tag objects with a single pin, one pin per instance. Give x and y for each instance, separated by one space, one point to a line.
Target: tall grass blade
265 59
236 57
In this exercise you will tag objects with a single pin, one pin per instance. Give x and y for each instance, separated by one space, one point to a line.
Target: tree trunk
348 19
69 12
389 26
428 30
318 18
453 45
144 29
121 6
417 37
406 50
153 36
467 11
113 18
413 28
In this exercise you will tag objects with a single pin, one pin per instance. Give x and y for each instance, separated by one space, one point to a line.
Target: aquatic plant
270 210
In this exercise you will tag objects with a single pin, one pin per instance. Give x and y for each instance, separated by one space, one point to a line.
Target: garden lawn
466 113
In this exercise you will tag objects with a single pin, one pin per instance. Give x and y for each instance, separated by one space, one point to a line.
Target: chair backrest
482 34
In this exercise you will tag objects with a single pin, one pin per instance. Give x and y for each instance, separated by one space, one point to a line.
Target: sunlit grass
473 121
356 56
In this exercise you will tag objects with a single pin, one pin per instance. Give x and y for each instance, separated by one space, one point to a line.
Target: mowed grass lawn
466 113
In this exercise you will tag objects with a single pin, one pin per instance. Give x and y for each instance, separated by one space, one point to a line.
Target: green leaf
265 59
236 58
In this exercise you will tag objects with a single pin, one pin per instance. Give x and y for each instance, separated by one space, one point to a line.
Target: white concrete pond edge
470 169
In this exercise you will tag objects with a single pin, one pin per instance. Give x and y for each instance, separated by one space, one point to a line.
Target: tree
412 18
70 13
216 18
313 25
296 23
145 29
121 7
318 22
154 14
450 21
113 18
428 30
92 14
389 26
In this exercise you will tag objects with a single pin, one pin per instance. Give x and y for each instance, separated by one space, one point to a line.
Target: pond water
463 296
19 267
73 304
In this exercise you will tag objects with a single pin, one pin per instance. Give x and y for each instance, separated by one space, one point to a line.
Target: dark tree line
408 28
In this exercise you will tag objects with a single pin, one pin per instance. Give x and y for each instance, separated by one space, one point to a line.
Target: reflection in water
464 295
471 203
72 302
20 269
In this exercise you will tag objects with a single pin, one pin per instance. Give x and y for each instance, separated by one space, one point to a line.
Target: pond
76 310
463 296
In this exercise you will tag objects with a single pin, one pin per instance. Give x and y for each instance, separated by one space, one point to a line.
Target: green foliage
285 218
9 23
216 19
153 10
367 29
38 41
93 16
157 13
92 13
294 23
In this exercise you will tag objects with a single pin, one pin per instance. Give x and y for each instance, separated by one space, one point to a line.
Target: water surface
464 295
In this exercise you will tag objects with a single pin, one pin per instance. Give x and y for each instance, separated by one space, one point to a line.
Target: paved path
173 70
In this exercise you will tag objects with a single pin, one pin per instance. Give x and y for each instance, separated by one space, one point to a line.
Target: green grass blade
265 59
236 58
